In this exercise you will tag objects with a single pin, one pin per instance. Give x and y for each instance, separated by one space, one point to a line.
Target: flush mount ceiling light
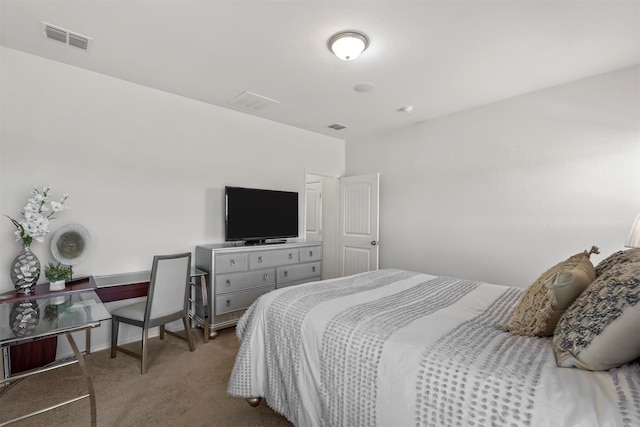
348 45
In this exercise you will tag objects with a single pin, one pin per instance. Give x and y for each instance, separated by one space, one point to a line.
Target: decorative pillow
620 257
544 302
601 329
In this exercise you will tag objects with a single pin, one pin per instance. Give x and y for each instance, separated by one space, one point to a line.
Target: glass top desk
27 319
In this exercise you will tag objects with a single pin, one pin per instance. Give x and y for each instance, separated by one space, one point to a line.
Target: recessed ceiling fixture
348 45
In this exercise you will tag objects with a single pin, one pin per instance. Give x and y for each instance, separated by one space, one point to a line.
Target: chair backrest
170 275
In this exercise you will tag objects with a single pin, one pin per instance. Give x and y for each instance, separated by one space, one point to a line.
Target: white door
313 232
358 227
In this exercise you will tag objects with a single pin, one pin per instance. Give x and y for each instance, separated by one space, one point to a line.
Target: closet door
313 230
358 224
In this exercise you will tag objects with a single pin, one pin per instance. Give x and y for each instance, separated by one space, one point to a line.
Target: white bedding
398 348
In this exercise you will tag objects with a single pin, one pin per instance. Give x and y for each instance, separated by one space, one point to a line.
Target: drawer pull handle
310 254
266 276
259 259
290 256
233 262
286 273
313 268
228 303
228 283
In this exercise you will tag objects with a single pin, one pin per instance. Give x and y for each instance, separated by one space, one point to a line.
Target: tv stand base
264 242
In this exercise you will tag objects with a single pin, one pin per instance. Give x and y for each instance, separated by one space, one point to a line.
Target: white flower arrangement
36 214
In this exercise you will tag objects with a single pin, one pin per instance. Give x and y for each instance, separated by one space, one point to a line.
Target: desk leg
6 363
87 346
85 372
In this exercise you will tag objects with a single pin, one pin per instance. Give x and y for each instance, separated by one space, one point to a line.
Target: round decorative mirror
70 244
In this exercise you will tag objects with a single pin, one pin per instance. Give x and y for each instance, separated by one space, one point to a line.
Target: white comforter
397 348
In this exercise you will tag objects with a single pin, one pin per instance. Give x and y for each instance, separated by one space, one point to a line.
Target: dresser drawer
227 263
299 272
298 282
238 300
264 259
232 282
312 253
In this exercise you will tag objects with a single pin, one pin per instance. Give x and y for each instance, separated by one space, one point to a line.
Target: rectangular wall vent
78 41
252 101
55 34
65 36
337 126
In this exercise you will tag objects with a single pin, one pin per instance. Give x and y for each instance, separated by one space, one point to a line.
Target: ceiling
437 56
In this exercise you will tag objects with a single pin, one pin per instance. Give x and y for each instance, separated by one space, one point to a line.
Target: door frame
329 221
312 181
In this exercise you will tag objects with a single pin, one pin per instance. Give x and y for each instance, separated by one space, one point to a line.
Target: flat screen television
255 215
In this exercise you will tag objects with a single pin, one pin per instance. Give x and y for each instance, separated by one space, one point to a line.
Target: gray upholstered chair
166 301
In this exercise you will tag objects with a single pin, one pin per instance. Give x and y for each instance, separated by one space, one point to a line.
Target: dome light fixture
348 45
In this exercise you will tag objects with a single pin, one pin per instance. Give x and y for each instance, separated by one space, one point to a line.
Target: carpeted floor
181 388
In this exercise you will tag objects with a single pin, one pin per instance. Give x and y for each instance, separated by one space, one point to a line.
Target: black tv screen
255 215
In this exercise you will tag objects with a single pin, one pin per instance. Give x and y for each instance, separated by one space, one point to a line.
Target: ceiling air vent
252 101
337 126
65 36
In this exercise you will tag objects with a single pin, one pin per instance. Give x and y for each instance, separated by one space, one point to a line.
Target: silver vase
25 271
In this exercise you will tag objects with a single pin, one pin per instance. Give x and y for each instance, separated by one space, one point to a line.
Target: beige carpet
181 388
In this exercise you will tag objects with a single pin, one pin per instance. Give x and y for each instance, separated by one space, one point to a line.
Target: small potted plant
57 274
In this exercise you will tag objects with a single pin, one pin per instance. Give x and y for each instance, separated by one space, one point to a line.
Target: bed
401 348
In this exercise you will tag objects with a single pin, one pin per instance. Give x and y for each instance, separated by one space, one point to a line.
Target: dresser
238 275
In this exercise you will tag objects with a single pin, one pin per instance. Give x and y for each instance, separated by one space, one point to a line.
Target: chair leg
161 332
114 337
145 347
185 321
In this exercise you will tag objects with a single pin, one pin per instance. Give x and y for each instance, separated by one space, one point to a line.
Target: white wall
145 169
502 192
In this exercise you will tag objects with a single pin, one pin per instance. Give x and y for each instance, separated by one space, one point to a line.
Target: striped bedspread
399 348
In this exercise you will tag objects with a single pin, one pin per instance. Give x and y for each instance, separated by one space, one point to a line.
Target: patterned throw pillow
601 329
544 302
620 257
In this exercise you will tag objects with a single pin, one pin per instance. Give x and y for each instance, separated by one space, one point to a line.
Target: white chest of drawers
238 275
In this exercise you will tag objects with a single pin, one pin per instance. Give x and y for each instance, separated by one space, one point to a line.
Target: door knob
374 242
